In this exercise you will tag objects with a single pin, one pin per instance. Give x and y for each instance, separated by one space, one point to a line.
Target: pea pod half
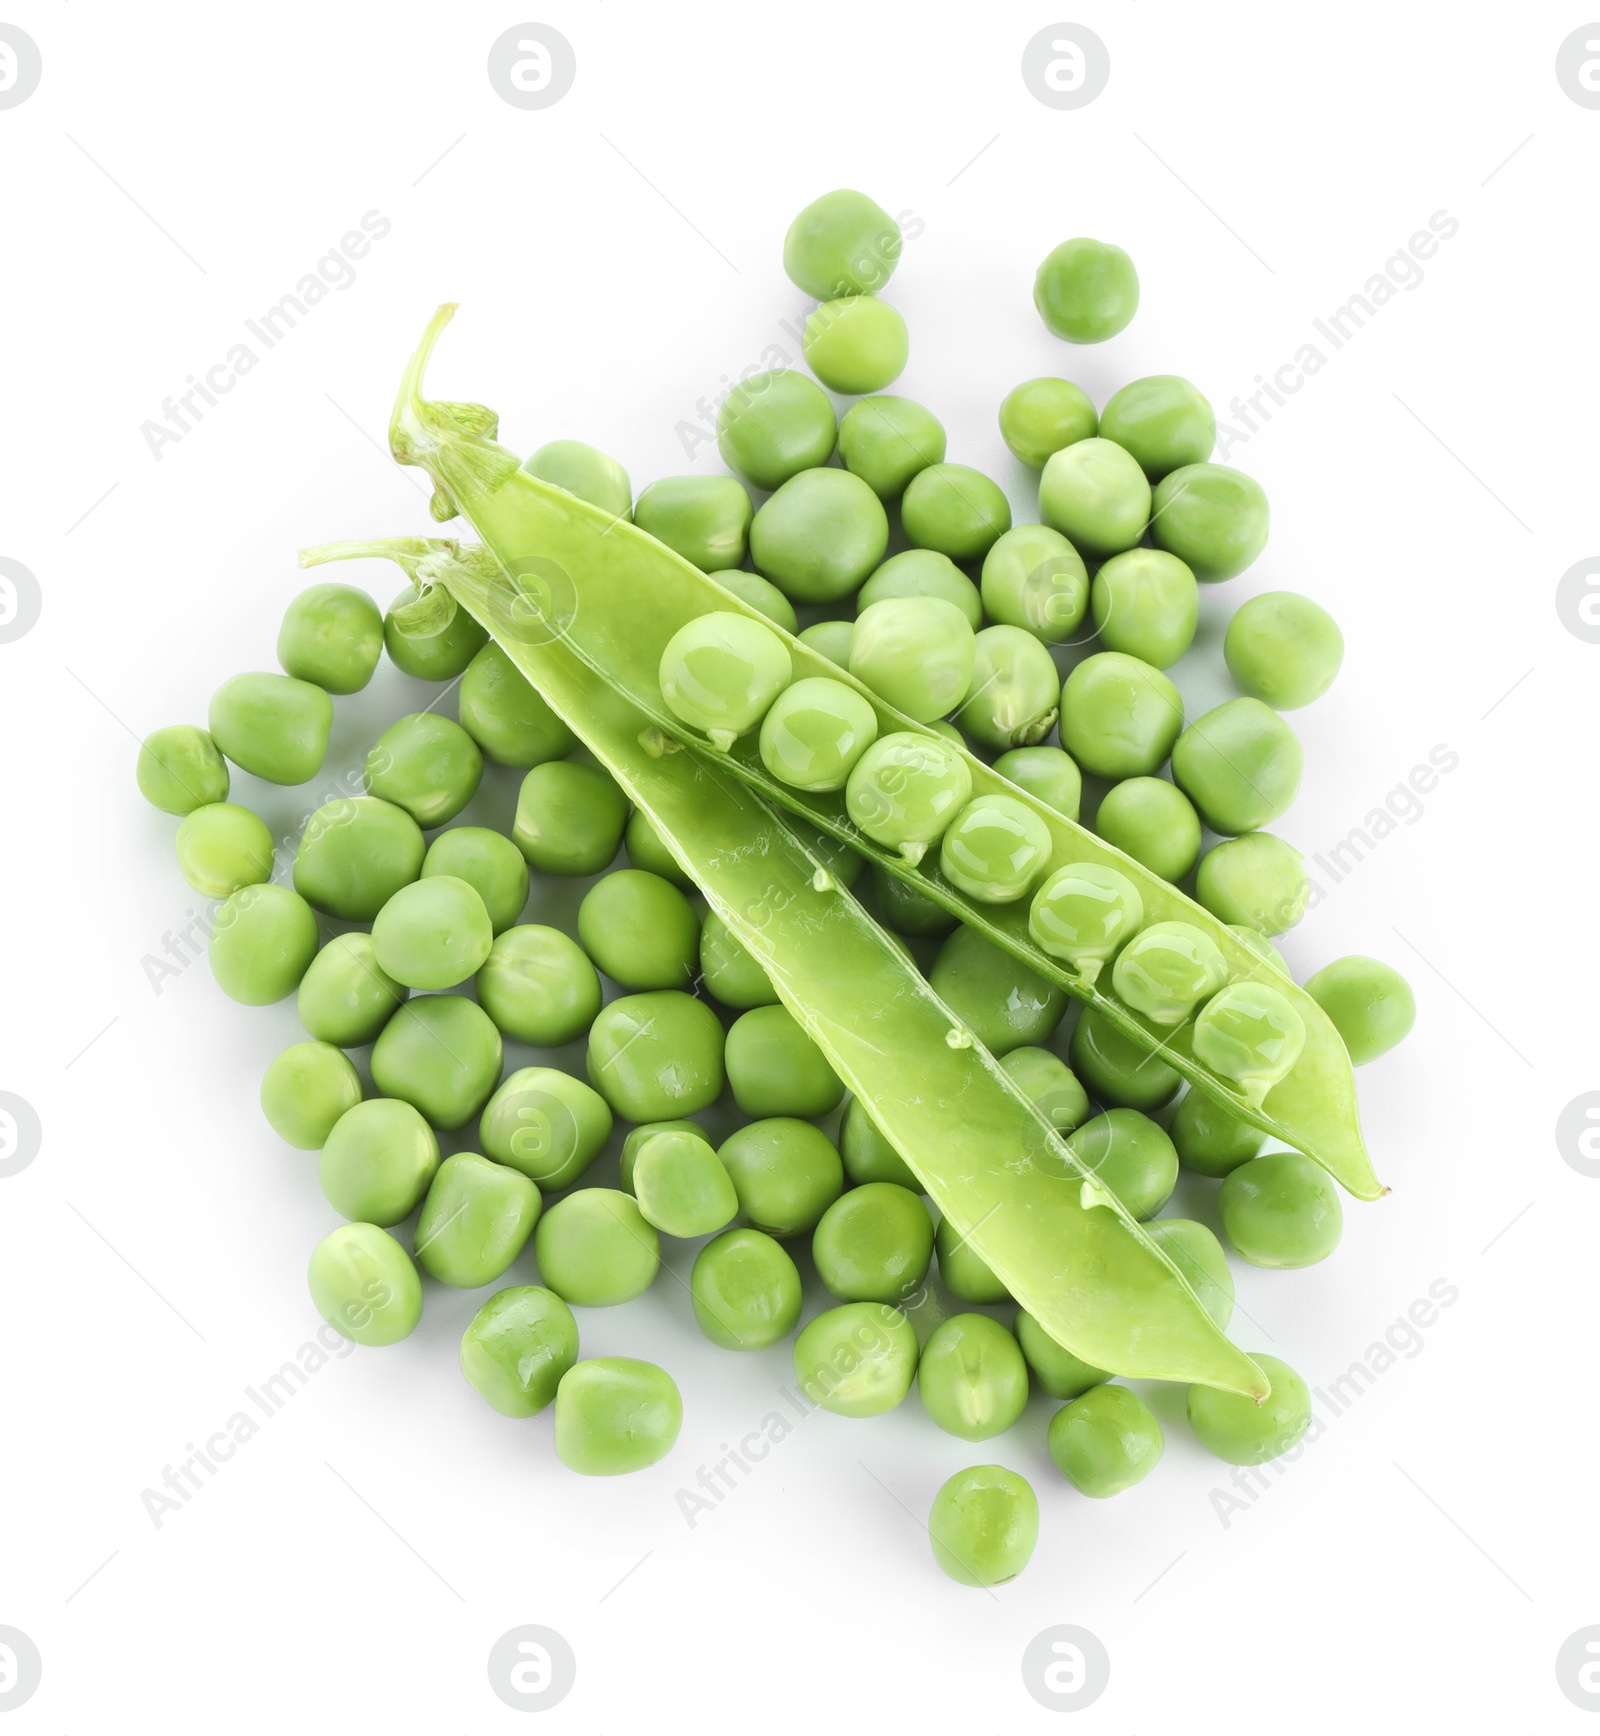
615 596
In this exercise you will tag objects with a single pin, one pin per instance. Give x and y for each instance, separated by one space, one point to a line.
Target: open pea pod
1060 1241
615 596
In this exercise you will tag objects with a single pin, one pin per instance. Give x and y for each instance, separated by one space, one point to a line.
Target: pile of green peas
401 935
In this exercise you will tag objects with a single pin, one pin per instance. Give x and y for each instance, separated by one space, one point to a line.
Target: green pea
475 1221
261 943
841 244
519 1345
538 986
569 818
914 652
1211 1139
774 1068
635 1142
874 1243
730 973
908 910
867 1155
983 1525
1034 579
1241 1432
1120 718
967 1274
856 344
1059 1373
1257 881
427 765
995 849
955 509
886 440
785 1171
905 789
1370 1004
1251 1035
1146 603
1132 1156
745 1290
706 519
721 671
364 1285
1239 764
355 854
222 847
181 769
1163 420
1086 291
273 726
489 863
346 997
857 1360
1281 1210
1014 695
1167 970
1152 821
1105 1441
830 639
615 1415
1212 518
331 635
306 1090
1041 416
1117 1070
760 594
441 1054
1262 948
433 934
595 1248
377 1161
682 1187
1198 1255
507 716
923 573
1082 915
657 1056
972 1378
1049 774
640 930
586 472
647 851
819 535
1096 495
774 425
1050 1086
1003 1003
435 656
815 732
546 1124
1283 649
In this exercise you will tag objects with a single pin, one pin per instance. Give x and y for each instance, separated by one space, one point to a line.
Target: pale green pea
538 986
681 1185
1132 1155
874 1243
786 1173
955 509
355 854
972 1378
364 1285
1119 716
1049 774
1050 1086
1167 970
1212 518
867 1155
595 1249
569 818
586 472
1014 695
427 765
222 847
730 972
819 536
1041 416
1281 1210
1249 1034
995 849
774 1068
1096 495
1003 1003
914 652
1163 420
489 863
1370 1004
983 1525
1257 881
640 930
545 1124
433 934
745 1290
905 789
180 769
1146 602
520 1343
721 671
331 635
857 1360
886 440
1152 821
377 1161
774 425
272 725
923 573
841 244
442 1054
815 732
706 519
1105 1441
1239 764
475 1221
761 594
965 1273
856 344
346 997
1117 1070
507 716
614 1415
1082 914
1033 578
305 1091
263 940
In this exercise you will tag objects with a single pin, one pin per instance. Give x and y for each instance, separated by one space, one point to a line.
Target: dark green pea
745 1290
1370 1003
955 509
261 944
972 1377
377 1161
706 519
569 818
640 930
657 1056
819 535
355 854
1106 1441
731 974
1281 1210
1041 416
332 635
646 851
1117 1070
475 1221
1210 1139
983 1525
1163 421
634 1144
1239 764
1049 774
427 765
886 440
907 910
440 656
346 997
923 573
1001 1001
586 472
867 1155
538 986
181 768
441 1054
1212 518
507 716
520 1343
841 244
874 1243
489 863
273 726
785 1171
1120 717
774 425
1152 821
1059 1373
966 1274
761 594
774 1068
545 1124
1132 1156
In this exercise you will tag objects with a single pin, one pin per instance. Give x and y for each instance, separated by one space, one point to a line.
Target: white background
618 258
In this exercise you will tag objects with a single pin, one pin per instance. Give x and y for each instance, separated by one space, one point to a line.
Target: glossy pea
489 863
1198 1255
1003 1003
272 725
841 244
1105 1441
1239 764
995 849
1210 1139
914 652
1256 881
355 854
785 1171
1117 1070
721 671
856 344
431 656
1283 649
965 1272
908 910
774 425
984 1524
830 639
475 1220
545 1124
364 1285
1014 697
867 1155
596 1249
346 997
222 847
1059 1373
955 509
569 818
518 1346
1049 774
538 986
1281 1210
640 930
1249 1034
745 1290
305 1091
1050 1086
905 789
856 1360
681 1185
1152 821
647 851
731 974
1083 913
506 715
874 1243
657 1056
1146 603
440 1053
331 635
1120 718
427 765
585 471
819 535
1086 291
923 573
762 595
1212 518
181 768
433 934
262 941
1370 1003
1041 416
1167 970
815 732
775 1068
614 1415
1033 578
886 440
1163 420
1239 1431
1096 495
972 1378
706 519
377 1161
1132 1155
